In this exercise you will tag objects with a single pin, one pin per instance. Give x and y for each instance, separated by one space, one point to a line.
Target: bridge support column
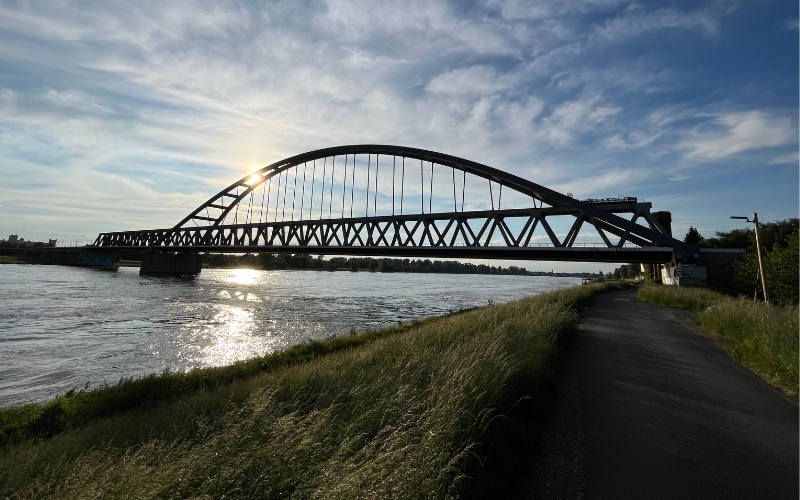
170 263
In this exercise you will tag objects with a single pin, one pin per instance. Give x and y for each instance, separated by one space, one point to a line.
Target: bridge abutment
171 263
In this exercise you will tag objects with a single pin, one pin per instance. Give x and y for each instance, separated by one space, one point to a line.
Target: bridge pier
170 263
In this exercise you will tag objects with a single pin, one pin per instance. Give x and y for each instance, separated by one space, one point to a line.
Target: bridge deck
653 255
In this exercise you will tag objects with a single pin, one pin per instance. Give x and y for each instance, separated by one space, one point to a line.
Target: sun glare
243 276
253 179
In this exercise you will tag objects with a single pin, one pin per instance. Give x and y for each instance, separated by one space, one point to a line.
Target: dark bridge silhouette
396 201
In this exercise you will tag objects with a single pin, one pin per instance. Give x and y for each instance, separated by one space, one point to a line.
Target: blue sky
118 115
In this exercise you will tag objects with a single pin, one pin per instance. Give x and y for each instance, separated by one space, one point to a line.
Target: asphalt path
650 407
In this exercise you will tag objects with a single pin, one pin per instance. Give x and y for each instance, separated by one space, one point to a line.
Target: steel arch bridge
379 200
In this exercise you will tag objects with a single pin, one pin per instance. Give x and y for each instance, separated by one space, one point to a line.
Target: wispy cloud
475 80
583 114
635 20
738 132
793 157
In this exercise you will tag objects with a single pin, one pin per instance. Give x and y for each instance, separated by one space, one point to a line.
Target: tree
693 236
776 234
248 260
781 255
736 238
783 272
265 259
219 260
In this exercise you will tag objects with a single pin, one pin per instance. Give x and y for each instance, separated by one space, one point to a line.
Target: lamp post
760 259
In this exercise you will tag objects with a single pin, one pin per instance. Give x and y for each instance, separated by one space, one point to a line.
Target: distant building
13 237
51 243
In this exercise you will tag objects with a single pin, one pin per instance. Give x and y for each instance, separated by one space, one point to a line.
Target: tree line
304 261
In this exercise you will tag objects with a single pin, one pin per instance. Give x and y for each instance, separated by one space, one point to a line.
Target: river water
64 327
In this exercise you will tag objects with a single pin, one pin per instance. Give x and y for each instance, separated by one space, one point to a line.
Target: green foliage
651 274
247 260
783 272
776 234
737 238
761 337
218 260
781 256
304 261
689 299
693 236
450 407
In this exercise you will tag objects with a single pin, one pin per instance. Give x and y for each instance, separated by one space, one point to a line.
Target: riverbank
760 336
451 406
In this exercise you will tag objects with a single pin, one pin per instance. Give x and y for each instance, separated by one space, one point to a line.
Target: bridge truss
396 201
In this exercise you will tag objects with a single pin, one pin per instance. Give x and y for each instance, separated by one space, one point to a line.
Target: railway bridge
381 200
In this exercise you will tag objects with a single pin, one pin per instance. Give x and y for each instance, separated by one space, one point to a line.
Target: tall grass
762 337
449 408
75 408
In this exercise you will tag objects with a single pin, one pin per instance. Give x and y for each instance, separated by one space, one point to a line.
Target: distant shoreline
346 265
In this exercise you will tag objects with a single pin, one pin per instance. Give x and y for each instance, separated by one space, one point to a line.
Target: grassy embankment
447 407
762 337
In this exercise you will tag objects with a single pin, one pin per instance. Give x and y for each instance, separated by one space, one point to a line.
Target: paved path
651 408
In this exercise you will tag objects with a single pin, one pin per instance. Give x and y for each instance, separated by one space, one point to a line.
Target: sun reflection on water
243 276
233 335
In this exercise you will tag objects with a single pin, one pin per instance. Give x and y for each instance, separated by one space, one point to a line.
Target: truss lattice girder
479 234
601 218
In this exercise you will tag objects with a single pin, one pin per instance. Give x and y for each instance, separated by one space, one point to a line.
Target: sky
128 115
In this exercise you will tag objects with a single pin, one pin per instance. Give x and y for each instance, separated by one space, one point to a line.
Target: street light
758 250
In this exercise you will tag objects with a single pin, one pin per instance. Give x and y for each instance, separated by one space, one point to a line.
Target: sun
253 179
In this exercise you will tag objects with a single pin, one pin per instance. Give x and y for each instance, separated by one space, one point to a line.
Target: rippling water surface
61 327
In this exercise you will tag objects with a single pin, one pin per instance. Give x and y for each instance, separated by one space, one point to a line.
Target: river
66 327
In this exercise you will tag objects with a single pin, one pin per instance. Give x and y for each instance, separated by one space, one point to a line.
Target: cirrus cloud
735 133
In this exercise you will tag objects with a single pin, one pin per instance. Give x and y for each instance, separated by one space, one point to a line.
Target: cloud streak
738 132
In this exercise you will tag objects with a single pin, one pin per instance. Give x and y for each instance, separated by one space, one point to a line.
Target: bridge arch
239 190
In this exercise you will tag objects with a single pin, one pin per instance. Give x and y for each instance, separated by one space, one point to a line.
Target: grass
8 259
450 407
130 263
762 337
